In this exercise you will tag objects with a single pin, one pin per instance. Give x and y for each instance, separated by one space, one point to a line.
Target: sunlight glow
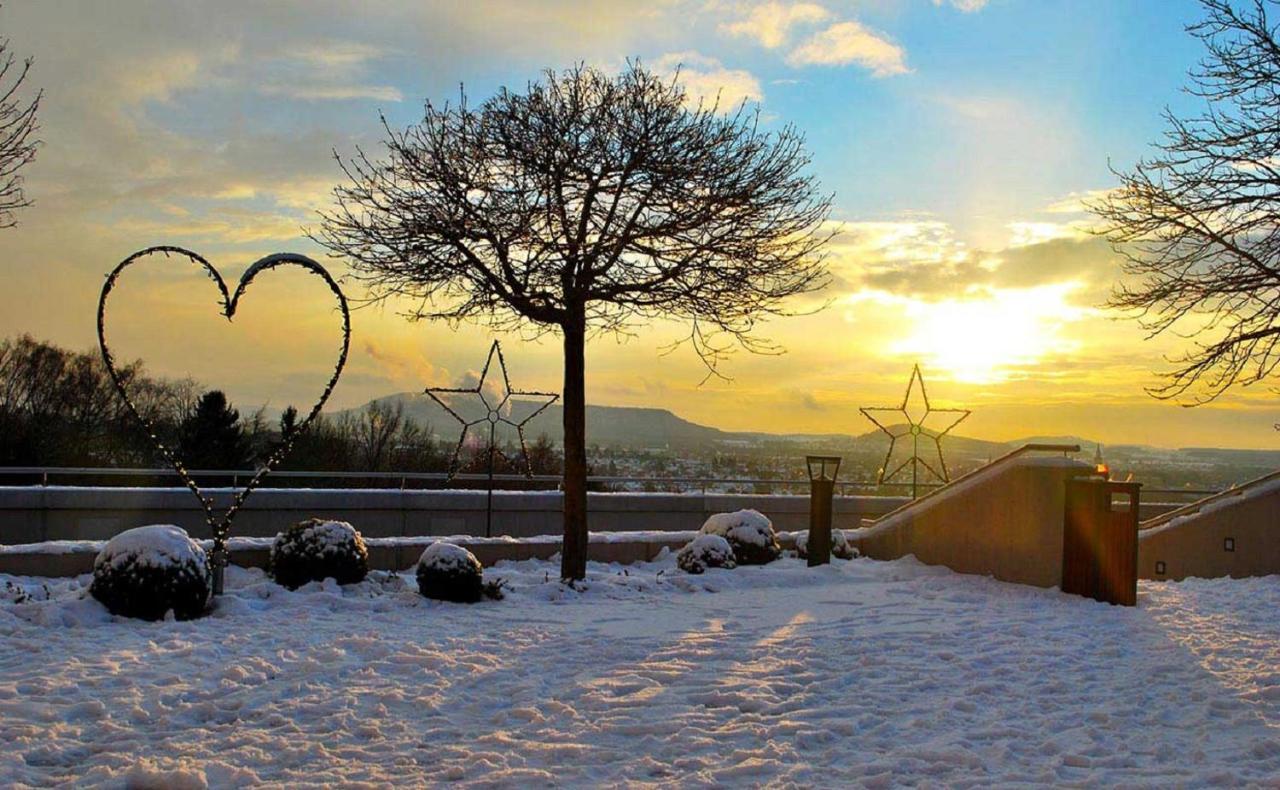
985 340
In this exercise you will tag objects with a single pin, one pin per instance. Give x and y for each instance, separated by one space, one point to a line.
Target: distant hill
1262 459
640 427
626 425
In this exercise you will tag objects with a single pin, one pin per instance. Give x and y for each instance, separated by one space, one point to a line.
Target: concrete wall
30 515
1196 545
392 555
1005 522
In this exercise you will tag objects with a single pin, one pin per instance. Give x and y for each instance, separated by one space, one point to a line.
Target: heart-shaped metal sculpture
220 525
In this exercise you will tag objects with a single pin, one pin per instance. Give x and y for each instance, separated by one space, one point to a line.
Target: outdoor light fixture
923 422
494 414
220 524
1229 544
1160 567
822 486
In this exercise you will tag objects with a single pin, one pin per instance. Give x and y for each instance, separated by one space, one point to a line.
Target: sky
958 138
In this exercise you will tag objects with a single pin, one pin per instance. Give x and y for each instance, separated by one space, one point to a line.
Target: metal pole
915 463
488 511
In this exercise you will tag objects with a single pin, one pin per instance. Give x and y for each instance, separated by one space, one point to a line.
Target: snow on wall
1269 488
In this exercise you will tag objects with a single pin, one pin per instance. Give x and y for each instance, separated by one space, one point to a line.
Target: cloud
1078 202
851 42
965 6
770 23
1022 234
924 260
326 71
409 369
332 92
706 80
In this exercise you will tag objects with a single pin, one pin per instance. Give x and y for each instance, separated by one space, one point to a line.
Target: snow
243 543
445 556
855 673
705 551
157 545
331 536
839 543
744 526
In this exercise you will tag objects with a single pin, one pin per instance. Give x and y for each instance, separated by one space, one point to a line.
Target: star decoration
494 412
916 410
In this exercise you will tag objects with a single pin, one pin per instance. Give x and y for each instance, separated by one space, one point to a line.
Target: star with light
922 421
496 413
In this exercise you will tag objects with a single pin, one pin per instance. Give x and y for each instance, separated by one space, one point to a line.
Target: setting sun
984 341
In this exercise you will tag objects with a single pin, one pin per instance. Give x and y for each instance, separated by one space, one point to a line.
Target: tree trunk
573 558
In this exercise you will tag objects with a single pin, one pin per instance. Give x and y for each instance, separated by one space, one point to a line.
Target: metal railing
49 475
1218 496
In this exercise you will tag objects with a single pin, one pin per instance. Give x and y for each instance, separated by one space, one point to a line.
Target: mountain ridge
657 427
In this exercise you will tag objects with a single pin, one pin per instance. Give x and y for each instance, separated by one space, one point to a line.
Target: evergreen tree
211 436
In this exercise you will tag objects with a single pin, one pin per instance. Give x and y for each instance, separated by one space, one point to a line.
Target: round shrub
448 572
317 549
147 572
705 551
749 533
841 548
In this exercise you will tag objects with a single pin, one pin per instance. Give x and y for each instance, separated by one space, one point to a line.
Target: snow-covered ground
862 672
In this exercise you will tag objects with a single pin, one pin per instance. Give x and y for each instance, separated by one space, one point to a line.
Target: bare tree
587 202
18 128
378 431
1197 224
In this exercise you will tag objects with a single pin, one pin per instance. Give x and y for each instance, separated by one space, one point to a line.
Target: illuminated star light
494 411
916 428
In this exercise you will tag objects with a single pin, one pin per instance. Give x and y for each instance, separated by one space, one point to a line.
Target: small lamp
822 487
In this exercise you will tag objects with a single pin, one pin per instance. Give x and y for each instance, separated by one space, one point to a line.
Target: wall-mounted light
1160 567
1229 544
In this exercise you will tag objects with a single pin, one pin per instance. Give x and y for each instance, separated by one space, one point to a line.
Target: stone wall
36 514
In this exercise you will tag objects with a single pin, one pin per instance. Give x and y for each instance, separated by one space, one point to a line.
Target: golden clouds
770 23
707 81
851 42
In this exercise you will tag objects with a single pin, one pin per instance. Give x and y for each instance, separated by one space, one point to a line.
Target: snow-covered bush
448 572
841 548
705 551
318 549
749 533
147 572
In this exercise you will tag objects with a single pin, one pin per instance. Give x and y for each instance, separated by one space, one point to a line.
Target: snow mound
448 572
749 533
706 551
318 549
146 775
841 548
147 572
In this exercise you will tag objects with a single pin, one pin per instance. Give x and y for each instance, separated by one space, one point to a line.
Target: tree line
58 408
